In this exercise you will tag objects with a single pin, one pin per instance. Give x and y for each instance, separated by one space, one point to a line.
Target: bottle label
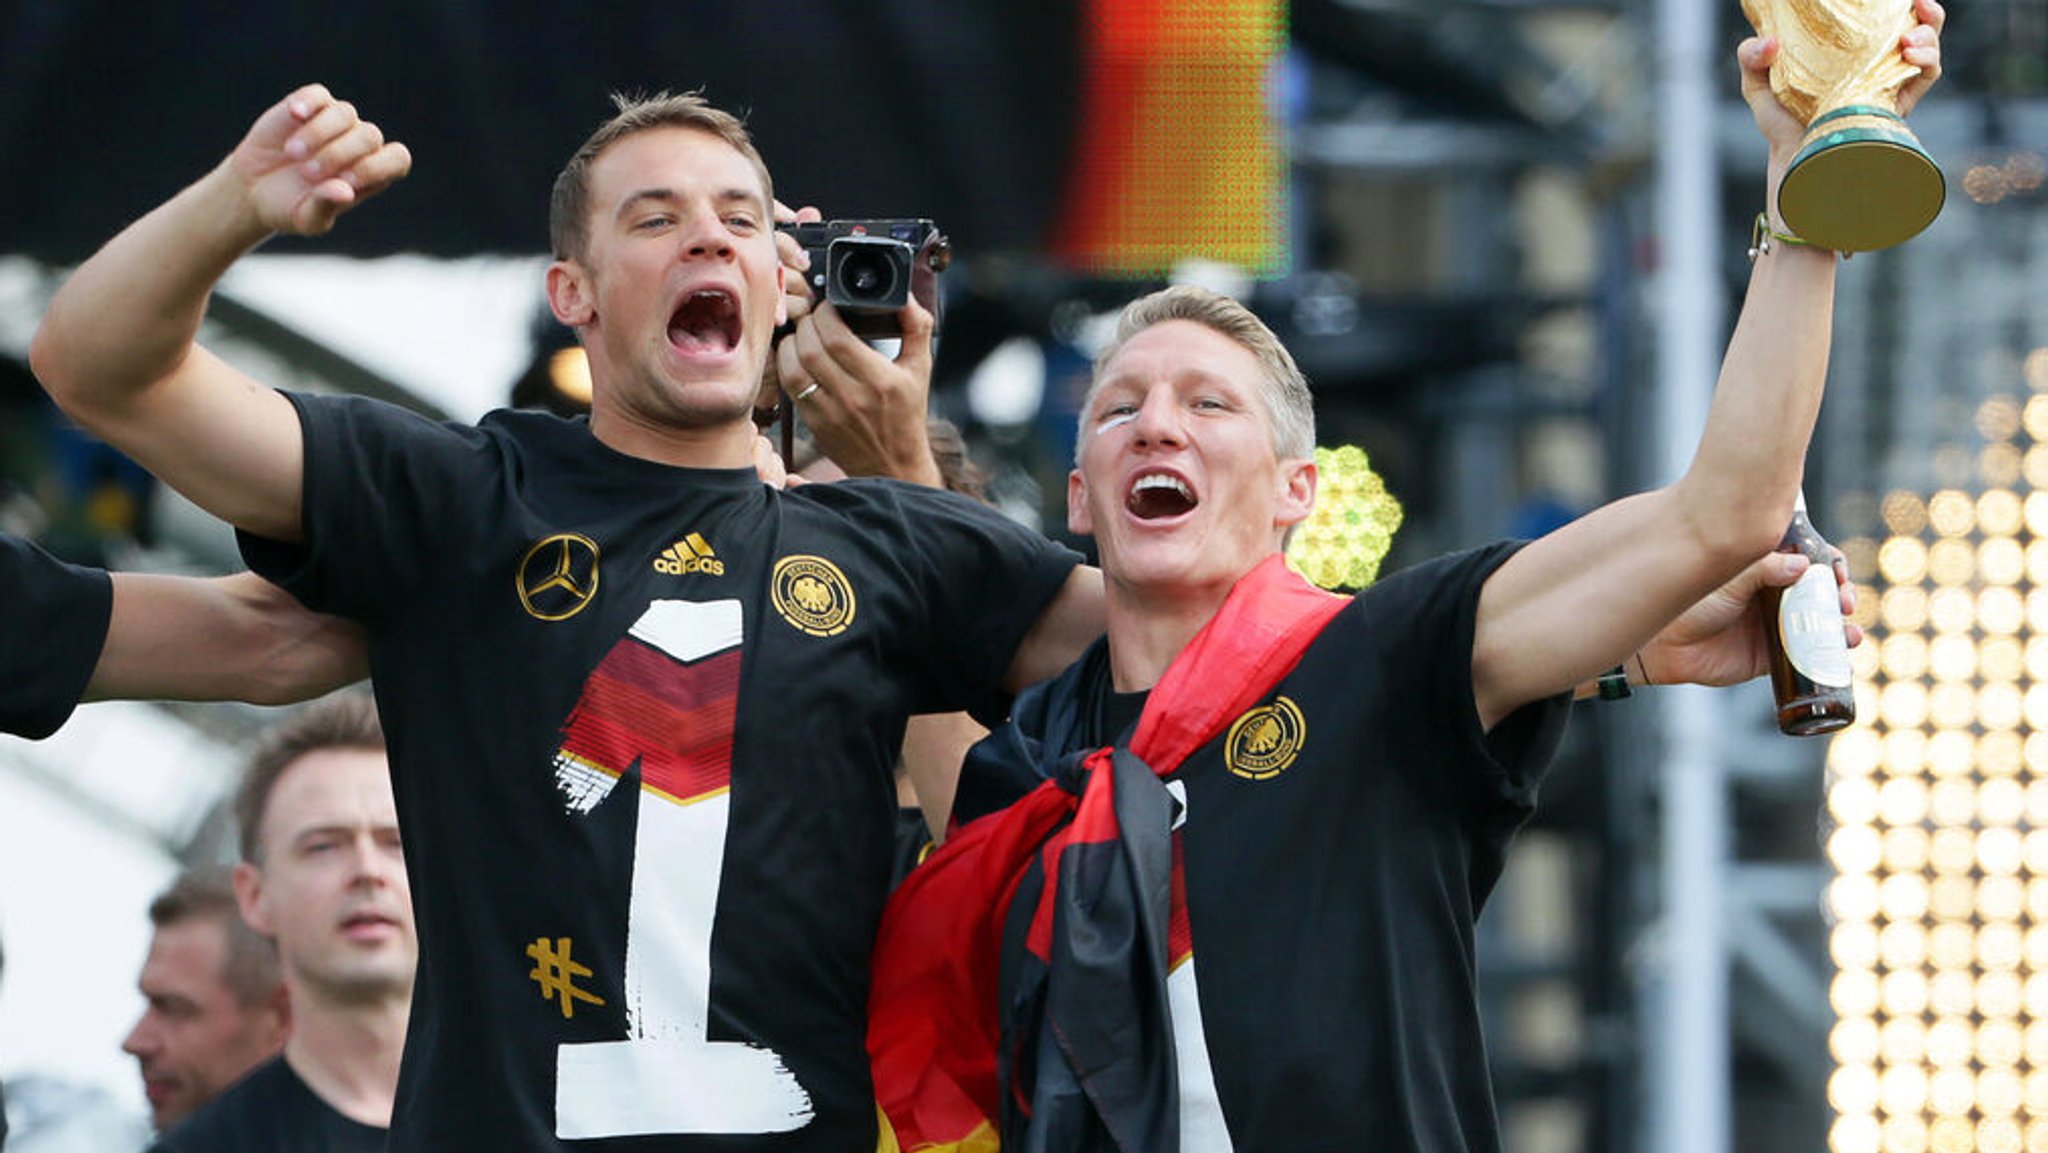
1810 620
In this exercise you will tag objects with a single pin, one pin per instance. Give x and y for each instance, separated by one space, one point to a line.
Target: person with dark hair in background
1239 912
644 707
215 1005
323 877
74 633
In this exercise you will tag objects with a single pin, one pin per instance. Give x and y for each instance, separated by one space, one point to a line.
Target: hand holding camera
865 410
869 269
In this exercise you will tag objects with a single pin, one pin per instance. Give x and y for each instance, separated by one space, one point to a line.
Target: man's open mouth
707 321
1157 494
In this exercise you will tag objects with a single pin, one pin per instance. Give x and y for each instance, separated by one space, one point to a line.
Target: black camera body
868 269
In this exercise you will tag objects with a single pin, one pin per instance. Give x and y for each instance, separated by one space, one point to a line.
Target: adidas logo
690 554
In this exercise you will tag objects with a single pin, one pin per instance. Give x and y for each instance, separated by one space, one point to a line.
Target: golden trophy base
1861 182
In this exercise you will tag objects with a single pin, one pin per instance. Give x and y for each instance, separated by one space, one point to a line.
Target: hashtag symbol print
556 972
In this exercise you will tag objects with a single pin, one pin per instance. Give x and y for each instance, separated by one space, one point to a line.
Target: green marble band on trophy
1861 180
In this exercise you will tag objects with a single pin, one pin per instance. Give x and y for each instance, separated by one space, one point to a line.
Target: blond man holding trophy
1850 70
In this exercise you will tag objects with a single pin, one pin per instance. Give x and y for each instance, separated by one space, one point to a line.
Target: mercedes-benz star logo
558 578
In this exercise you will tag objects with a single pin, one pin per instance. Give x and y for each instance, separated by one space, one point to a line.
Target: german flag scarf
1062 1040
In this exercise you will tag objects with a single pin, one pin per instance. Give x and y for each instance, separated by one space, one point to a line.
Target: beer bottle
1803 633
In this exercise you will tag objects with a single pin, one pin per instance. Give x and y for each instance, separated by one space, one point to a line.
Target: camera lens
867 274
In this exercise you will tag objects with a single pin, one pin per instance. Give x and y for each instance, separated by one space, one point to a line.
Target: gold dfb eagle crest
812 595
1264 741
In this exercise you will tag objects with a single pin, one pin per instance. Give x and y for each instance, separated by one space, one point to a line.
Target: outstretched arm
117 349
1589 595
222 638
1720 639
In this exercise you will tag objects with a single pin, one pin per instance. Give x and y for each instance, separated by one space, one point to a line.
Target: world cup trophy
1861 180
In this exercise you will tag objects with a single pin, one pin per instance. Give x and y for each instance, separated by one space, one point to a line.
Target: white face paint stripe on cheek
1108 423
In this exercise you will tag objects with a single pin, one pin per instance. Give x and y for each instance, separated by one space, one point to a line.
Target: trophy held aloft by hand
1861 181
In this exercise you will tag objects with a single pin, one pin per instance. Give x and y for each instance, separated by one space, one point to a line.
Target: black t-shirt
1336 847
270 1111
56 625
551 620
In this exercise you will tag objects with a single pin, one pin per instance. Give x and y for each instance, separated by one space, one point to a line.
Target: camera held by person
868 269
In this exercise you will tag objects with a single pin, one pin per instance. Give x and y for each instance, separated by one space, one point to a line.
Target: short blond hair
1290 410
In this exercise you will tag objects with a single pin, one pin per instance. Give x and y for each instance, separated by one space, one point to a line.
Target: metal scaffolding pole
1691 1092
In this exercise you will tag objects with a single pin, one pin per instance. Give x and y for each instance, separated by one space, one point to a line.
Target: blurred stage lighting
1939 807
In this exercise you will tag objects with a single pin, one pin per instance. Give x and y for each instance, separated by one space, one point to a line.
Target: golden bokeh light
1905 513
2001 899
1854 898
1905 1135
2003 802
1953 850
1952 561
1854 753
1951 899
1902 1041
1950 753
1999 464
1904 703
1902 560
1951 706
1853 1089
1905 751
1905 849
1854 1041
1902 945
2002 660
1951 610
1855 993
1854 946
1938 810
1998 418
1951 512
1948 1047
1951 1135
1999 997
1903 608
2002 611
1999 512
1904 1087
2002 560
1999 706
2034 414
1856 849
1341 544
1952 658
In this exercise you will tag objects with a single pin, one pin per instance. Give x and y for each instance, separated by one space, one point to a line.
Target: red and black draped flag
1080 884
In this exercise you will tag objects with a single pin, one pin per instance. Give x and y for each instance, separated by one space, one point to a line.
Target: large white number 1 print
676 673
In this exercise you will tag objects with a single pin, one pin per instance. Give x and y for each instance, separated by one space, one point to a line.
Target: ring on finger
805 392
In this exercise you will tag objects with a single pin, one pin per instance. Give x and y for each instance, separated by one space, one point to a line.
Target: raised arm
1595 591
1064 630
866 411
237 638
117 349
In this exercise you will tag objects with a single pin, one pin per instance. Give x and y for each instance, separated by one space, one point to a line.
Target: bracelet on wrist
1612 685
1763 238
